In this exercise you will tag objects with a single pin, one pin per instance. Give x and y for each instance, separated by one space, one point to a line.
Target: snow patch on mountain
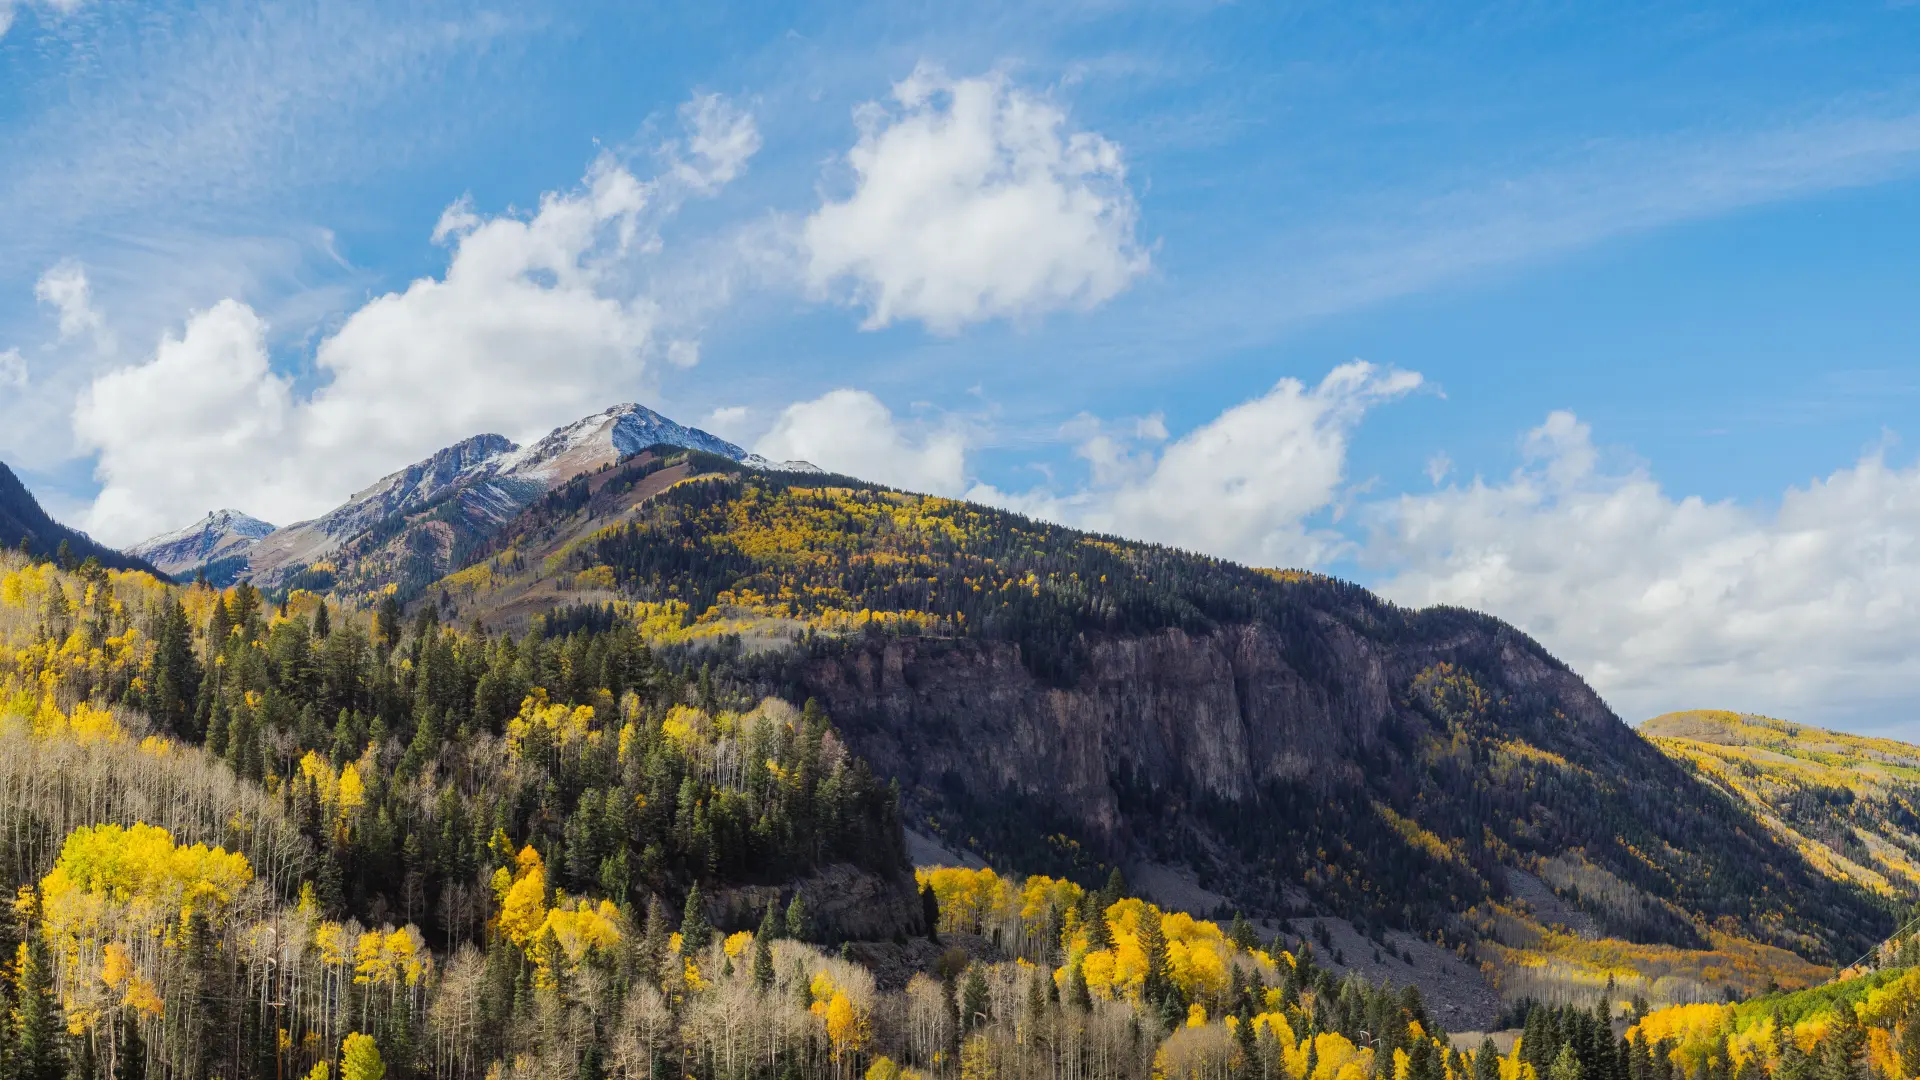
492 479
221 534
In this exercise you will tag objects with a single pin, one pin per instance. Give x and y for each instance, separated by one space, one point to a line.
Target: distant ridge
411 525
216 545
23 521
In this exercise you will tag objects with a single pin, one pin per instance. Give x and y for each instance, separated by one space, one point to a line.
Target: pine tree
930 911
1566 1065
1077 990
1486 1061
974 1008
1153 942
38 1040
762 960
1843 1049
799 926
653 942
322 622
695 932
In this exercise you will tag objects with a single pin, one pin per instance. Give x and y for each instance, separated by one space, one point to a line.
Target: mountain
1850 804
410 527
24 523
216 545
1278 742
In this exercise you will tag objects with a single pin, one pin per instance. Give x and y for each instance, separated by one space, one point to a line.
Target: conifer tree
695 932
1486 1060
653 942
974 1009
1566 1065
798 924
38 1052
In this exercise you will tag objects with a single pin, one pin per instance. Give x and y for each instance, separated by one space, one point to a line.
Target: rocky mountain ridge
470 488
222 538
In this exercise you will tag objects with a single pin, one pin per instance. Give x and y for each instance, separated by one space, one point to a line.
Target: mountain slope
23 522
414 525
1849 803
1060 701
216 545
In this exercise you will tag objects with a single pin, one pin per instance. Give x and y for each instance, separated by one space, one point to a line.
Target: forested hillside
558 855
1849 803
1062 702
26 528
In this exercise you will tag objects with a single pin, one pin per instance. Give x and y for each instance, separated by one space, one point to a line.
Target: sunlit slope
1430 772
1846 802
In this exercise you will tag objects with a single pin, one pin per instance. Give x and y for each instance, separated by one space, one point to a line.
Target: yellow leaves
343 792
330 941
968 898
565 727
737 943
140 869
847 1024
1196 1015
683 726
885 1068
571 929
391 958
115 966
1418 836
352 792
112 884
690 975
523 905
84 725
143 997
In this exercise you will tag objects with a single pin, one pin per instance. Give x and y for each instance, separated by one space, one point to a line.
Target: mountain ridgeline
25 527
1060 701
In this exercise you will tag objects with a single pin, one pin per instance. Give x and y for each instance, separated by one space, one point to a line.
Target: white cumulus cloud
973 200
535 323
853 432
1810 609
1243 486
13 369
201 424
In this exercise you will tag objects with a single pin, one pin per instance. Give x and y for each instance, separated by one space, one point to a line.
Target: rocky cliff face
1222 715
1391 766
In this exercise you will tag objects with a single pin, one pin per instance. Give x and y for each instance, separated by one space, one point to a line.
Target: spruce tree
799 926
974 1007
38 1050
1566 1065
930 911
1486 1060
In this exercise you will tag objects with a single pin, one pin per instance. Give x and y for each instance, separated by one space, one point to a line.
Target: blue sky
1656 269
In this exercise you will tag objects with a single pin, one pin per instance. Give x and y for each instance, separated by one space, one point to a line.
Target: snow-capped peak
617 433
221 534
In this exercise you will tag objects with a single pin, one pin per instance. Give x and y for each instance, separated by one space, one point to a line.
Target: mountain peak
221 535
